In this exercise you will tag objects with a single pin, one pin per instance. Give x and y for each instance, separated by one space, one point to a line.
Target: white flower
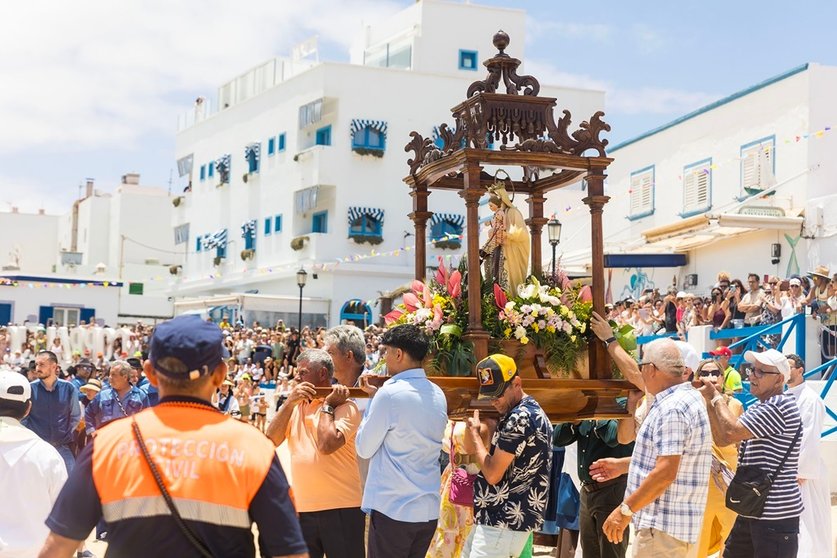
526 291
509 306
520 332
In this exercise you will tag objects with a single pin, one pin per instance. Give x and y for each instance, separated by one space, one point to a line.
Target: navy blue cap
186 347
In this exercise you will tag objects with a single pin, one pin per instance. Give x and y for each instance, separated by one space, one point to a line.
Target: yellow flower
524 340
536 328
550 329
564 311
507 332
572 338
582 327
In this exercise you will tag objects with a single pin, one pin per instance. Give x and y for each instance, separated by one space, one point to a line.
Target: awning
644 260
456 219
356 213
701 230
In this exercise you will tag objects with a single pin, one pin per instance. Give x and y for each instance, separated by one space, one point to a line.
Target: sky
93 88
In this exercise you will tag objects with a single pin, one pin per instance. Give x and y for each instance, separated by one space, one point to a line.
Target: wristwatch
625 510
609 340
327 409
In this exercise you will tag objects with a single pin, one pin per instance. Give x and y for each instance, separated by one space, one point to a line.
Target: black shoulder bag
748 490
155 472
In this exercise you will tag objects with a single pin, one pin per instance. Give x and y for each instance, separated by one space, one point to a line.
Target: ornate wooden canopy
549 154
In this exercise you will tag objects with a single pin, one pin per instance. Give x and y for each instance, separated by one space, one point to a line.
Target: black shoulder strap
790 449
190 536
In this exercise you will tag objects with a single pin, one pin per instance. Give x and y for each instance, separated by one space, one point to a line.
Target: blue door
87 313
44 314
5 313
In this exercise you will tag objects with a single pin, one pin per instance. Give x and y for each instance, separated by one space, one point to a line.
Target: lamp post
301 277
553 229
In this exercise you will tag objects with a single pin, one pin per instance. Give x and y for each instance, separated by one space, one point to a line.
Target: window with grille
697 187
758 164
642 193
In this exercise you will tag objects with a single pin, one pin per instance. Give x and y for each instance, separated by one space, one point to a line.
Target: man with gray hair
321 441
669 470
119 400
769 433
347 348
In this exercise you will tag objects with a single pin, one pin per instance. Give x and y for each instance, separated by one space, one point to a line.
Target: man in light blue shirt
401 434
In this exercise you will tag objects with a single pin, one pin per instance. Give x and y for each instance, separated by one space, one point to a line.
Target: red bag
461 490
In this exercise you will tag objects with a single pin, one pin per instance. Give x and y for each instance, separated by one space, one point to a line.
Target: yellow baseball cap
495 373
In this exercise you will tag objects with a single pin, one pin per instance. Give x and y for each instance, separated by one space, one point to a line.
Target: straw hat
821 271
93 385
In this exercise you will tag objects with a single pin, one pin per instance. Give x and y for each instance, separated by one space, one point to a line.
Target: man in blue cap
181 478
512 487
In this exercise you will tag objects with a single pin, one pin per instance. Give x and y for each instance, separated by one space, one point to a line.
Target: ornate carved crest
518 119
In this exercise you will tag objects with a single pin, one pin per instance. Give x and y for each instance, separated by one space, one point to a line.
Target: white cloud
624 100
562 30
29 196
82 75
656 100
647 38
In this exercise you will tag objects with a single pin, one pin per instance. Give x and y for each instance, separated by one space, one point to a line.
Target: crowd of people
730 303
373 467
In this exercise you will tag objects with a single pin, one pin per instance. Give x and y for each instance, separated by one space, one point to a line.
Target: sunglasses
710 373
760 372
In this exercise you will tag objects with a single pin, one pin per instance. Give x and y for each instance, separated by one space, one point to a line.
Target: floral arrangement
439 308
553 319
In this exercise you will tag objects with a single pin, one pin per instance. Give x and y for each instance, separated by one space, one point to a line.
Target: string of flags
6 282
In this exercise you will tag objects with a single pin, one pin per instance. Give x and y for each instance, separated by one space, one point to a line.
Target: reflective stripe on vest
212 465
194 510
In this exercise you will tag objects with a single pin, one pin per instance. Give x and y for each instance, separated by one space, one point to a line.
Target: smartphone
732 288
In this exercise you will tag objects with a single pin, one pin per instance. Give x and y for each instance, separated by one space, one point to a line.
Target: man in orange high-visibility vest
221 474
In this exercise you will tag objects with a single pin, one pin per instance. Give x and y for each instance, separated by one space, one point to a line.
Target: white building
107 258
745 184
303 164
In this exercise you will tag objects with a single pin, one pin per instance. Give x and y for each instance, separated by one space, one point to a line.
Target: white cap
689 355
14 387
681 294
770 357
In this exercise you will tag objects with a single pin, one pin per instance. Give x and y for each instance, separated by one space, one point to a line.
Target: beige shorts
651 543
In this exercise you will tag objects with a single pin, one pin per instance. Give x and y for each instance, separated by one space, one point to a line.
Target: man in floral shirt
511 490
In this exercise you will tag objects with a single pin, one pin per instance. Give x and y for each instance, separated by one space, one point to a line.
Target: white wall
20 232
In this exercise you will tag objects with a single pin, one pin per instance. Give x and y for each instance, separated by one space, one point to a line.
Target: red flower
393 316
500 297
442 272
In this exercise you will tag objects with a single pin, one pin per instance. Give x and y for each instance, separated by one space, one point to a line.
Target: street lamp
553 229
301 277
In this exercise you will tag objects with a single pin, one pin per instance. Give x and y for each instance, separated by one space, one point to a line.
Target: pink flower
411 301
442 272
455 284
417 287
428 298
499 296
437 317
586 294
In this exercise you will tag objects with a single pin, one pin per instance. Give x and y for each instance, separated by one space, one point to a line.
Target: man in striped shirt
669 471
765 431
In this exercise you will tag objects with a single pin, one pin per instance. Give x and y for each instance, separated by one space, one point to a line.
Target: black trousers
763 538
390 538
335 533
595 508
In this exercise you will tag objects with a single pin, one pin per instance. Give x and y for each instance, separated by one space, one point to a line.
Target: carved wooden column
471 193
599 359
536 221
420 215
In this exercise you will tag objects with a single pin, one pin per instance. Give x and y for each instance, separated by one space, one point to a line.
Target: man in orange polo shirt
218 476
321 439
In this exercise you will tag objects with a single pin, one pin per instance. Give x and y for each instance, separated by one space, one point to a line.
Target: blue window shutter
319 222
211 171
277 223
271 146
86 314
198 244
203 172
44 314
267 228
282 142
249 242
323 136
